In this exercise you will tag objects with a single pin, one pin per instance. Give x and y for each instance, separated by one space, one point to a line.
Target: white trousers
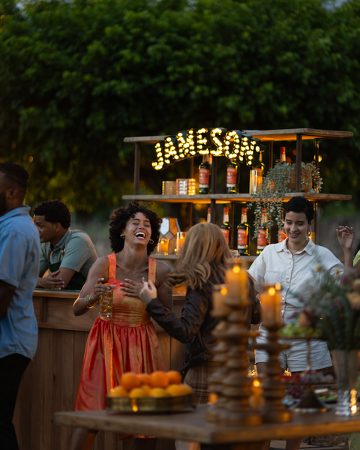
185 445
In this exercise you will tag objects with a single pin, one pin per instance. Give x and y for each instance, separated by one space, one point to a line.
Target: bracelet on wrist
87 301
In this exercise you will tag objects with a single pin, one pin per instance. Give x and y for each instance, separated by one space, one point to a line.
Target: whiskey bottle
263 232
232 177
225 226
281 235
282 155
204 175
243 234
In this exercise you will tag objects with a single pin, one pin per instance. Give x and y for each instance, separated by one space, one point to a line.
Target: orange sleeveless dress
125 342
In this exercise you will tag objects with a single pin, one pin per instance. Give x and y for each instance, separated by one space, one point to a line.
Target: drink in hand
106 302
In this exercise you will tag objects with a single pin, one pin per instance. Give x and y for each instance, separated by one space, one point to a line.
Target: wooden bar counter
51 381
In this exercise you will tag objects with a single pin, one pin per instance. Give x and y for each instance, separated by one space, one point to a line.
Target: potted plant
278 181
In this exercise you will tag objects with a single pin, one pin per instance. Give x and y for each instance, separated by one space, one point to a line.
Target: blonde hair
204 255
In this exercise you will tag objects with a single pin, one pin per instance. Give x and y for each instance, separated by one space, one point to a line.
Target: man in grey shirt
68 254
19 267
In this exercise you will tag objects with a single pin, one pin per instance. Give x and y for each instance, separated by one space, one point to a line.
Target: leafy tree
76 78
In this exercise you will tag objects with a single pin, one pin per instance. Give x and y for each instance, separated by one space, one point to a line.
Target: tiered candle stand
274 411
220 351
236 386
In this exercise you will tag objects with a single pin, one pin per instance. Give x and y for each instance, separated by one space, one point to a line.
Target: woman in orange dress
127 341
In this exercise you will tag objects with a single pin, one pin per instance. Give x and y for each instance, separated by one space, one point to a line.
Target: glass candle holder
237 283
256 180
180 239
270 299
163 247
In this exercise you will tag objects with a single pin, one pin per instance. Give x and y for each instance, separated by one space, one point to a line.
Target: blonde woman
201 264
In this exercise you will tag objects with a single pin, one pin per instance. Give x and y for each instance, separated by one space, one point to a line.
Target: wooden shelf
231 198
291 134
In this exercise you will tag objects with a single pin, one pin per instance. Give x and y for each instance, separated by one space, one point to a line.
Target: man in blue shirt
19 269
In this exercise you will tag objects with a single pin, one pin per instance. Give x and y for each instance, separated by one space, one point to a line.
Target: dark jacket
193 328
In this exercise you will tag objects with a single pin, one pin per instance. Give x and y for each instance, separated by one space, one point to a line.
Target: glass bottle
231 177
282 155
260 165
281 235
243 234
263 232
204 175
225 226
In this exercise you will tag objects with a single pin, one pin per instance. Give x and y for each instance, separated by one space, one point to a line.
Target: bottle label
261 239
231 177
226 234
242 239
281 236
204 175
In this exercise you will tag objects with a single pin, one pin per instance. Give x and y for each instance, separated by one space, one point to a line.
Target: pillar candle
237 283
270 301
218 296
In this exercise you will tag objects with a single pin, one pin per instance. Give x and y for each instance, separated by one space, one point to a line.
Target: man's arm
54 280
6 295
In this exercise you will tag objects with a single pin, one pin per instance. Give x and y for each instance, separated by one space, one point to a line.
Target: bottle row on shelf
243 235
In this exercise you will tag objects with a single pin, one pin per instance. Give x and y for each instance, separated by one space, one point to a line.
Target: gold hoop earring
151 241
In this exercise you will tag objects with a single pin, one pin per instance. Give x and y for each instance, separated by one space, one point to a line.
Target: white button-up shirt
296 272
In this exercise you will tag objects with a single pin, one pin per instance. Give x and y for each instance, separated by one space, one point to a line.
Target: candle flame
134 404
223 291
236 269
271 291
256 383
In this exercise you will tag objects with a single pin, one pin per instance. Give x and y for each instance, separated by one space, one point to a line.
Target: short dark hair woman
127 341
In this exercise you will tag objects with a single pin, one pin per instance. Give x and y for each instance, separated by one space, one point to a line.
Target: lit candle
180 239
163 247
237 283
270 300
219 296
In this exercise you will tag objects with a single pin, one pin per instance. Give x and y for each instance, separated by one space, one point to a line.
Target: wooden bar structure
51 381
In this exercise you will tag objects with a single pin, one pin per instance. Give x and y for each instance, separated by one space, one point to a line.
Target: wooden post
232 223
137 169
213 188
317 153
191 206
271 154
298 162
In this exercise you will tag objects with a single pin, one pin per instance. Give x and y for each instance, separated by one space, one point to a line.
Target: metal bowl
150 404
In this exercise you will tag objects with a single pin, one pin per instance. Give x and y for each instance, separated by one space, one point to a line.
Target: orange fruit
130 381
159 392
137 393
159 379
118 391
174 390
184 389
146 389
145 378
174 377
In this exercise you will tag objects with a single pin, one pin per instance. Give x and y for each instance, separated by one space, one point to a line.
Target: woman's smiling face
138 230
297 227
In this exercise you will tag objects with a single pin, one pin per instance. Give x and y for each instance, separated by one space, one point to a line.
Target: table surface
191 425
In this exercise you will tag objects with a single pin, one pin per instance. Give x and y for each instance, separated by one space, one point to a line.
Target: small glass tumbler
106 302
163 247
254 182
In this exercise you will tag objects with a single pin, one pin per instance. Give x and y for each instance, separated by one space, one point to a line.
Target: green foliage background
76 78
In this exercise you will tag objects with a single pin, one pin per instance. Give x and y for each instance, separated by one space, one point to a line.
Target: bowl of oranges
155 392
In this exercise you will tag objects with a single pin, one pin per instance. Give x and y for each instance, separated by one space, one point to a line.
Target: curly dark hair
120 218
54 211
299 205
